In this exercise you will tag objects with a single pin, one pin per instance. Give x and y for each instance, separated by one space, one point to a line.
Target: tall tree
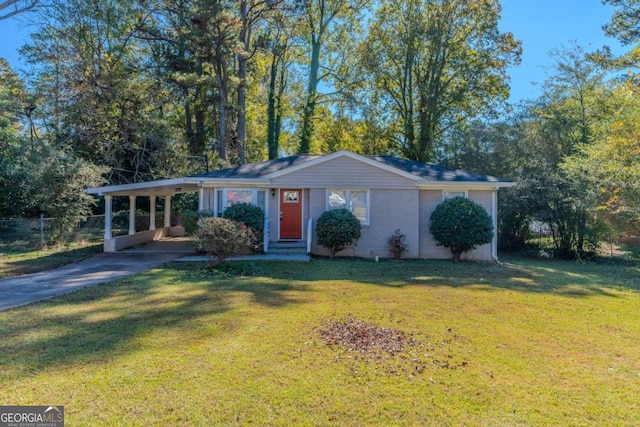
578 87
92 96
329 25
279 44
553 129
195 44
15 171
251 14
225 28
38 177
435 64
169 31
611 163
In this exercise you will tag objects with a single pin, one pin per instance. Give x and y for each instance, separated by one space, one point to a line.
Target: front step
288 248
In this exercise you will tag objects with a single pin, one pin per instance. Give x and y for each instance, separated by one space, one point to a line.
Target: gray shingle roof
426 171
433 172
258 170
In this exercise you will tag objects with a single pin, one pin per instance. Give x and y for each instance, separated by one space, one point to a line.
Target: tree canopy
435 64
152 89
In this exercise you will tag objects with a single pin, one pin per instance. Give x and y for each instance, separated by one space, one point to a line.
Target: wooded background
128 91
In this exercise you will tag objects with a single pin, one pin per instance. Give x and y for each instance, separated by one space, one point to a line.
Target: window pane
452 194
219 202
241 196
337 199
260 202
291 197
358 204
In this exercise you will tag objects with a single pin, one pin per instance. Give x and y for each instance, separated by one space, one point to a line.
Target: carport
164 189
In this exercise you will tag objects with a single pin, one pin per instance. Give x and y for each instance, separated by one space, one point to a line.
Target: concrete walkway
263 257
184 246
103 268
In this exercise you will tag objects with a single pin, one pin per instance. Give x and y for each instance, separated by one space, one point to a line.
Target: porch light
273 192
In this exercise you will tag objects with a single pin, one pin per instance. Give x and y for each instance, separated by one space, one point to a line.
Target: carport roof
161 187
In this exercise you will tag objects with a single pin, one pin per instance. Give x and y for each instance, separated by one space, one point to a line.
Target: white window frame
462 193
225 201
348 200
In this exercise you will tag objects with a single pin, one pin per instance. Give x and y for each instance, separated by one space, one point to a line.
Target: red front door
290 214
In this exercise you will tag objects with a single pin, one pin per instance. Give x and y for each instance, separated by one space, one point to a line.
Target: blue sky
541 25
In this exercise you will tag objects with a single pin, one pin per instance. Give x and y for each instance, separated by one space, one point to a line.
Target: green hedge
337 229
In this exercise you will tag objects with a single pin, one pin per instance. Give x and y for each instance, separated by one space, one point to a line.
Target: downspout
494 217
265 227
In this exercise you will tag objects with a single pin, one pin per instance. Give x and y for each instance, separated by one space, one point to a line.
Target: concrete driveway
103 268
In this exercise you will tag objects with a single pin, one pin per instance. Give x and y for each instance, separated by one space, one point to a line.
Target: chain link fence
34 233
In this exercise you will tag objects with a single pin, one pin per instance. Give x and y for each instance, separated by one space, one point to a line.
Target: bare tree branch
11 8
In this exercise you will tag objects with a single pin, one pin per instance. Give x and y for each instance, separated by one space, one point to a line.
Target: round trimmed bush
461 225
337 229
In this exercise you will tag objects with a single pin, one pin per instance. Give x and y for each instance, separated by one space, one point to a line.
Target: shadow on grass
102 322
566 278
16 264
183 301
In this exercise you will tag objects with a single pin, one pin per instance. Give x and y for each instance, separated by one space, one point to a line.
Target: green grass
16 263
523 343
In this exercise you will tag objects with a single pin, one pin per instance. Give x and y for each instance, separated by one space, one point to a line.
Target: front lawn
527 343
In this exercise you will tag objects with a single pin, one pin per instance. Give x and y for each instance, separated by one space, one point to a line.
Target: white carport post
167 211
152 212
132 214
107 217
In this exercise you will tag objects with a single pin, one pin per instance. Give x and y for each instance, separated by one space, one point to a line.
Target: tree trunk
424 146
282 83
241 129
272 142
312 97
188 121
199 132
222 126
221 131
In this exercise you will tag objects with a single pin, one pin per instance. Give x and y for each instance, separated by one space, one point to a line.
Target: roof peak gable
349 154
